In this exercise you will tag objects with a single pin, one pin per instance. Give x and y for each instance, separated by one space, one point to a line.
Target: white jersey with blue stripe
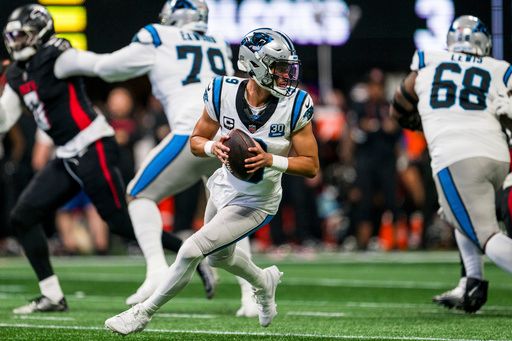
179 64
455 91
273 128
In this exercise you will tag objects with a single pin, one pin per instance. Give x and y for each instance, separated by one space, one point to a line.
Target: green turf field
335 296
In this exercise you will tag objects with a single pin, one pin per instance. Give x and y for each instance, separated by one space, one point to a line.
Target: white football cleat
130 321
147 288
249 307
266 297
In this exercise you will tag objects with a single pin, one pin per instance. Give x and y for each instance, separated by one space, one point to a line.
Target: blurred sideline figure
86 152
375 138
269 108
179 59
457 97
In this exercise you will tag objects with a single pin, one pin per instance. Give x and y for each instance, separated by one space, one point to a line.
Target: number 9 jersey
272 127
455 92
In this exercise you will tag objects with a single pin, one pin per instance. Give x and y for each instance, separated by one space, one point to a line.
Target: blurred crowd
375 190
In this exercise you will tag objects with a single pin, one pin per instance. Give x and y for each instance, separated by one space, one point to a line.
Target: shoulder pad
148 35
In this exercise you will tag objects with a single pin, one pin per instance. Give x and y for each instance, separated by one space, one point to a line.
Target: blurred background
375 191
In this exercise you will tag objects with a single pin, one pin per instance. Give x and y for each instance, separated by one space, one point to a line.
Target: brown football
239 143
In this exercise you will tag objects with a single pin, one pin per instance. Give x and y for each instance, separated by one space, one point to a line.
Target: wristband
208 146
279 163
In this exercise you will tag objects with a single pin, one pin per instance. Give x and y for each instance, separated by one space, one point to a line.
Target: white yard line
294 303
239 333
314 314
287 281
43 318
187 316
12 288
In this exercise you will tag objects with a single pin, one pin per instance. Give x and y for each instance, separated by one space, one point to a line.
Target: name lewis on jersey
466 58
196 36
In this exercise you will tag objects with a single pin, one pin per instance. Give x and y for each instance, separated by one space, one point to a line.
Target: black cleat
42 304
208 278
475 295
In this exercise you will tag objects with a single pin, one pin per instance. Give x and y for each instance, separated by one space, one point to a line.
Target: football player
180 59
86 153
270 109
459 94
458 297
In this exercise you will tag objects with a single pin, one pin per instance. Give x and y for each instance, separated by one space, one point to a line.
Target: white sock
50 288
471 256
177 277
499 250
245 286
147 224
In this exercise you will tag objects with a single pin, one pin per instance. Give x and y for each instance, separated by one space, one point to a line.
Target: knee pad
190 250
23 217
221 257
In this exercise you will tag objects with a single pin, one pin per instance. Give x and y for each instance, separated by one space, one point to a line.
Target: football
239 143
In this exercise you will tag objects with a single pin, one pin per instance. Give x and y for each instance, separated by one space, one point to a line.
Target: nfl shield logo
252 128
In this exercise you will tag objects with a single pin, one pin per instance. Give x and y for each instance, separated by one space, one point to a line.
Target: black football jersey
60 107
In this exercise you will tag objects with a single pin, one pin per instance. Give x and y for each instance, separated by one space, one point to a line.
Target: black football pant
96 172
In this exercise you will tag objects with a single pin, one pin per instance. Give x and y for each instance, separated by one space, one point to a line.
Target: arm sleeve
303 111
74 62
131 61
10 109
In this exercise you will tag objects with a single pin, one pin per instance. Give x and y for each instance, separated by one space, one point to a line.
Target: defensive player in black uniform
86 153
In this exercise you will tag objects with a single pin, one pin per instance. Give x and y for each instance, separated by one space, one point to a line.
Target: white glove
502 105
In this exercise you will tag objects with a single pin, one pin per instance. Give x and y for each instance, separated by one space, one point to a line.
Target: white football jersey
455 91
179 64
225 103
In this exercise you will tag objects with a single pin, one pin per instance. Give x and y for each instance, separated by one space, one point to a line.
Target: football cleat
266 297
475 295
42 304
249 307
147 288
470 295
453 297
208 278
130 321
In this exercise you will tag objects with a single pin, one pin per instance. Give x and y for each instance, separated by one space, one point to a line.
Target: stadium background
344 46
327 293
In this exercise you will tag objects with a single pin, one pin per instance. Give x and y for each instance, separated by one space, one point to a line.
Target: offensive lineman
459 94
180 59
86 154
270 109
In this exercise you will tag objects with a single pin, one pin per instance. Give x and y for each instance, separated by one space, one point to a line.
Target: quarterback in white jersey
270 109
460 94
271 126
180 59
